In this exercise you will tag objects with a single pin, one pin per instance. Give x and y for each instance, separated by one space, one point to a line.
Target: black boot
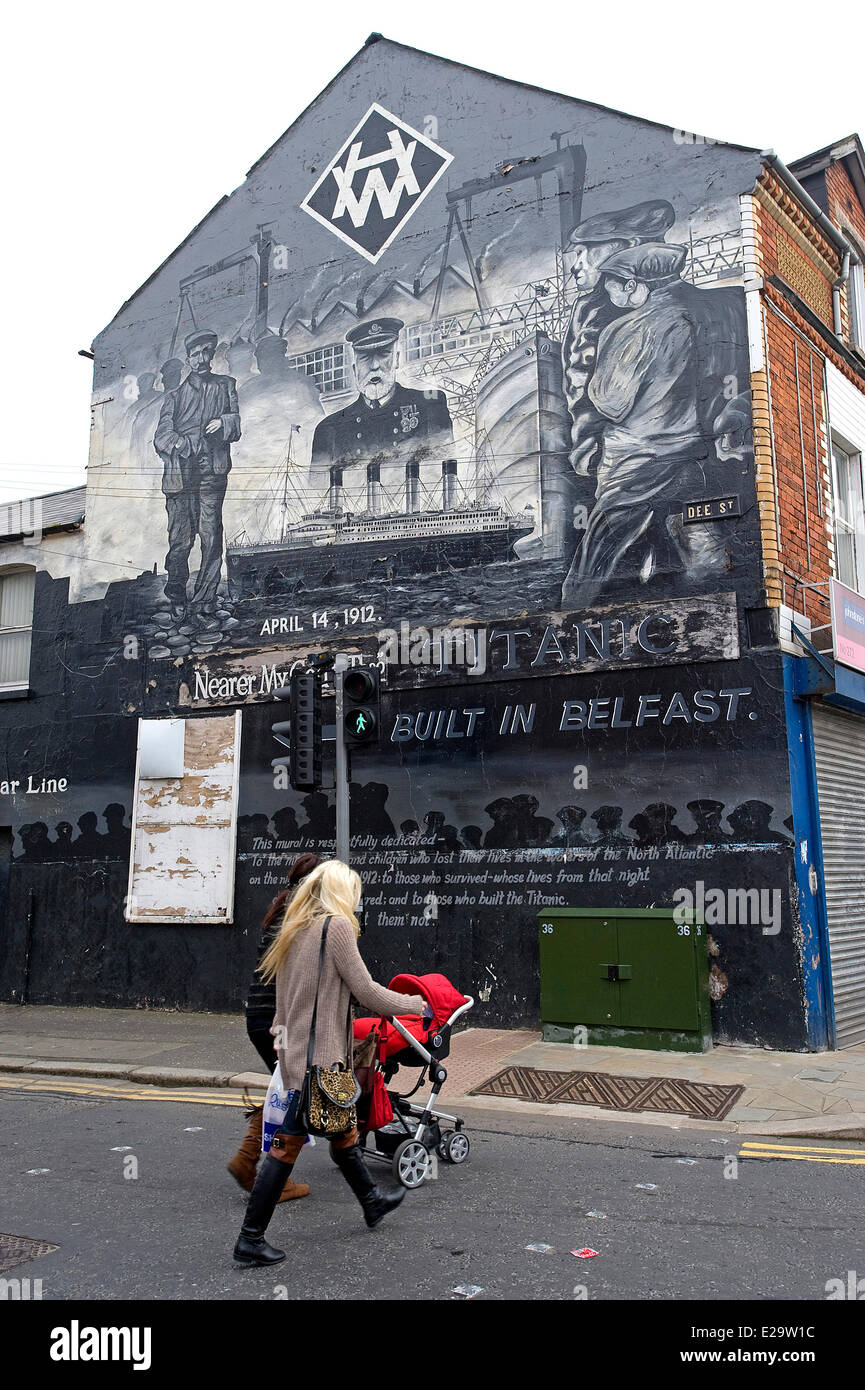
251 1247
376 1204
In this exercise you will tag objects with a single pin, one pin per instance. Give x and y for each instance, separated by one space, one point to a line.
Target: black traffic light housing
304 768
302 733
361 705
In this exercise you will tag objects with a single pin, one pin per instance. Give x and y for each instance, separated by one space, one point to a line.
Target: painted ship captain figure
197 424
387 422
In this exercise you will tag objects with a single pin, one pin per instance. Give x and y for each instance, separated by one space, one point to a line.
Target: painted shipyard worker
647 387
387 422
197 424
591 243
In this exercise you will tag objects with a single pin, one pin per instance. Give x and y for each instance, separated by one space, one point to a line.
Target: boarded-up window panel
804 278
185 830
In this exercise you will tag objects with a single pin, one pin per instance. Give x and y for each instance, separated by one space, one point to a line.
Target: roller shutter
839 749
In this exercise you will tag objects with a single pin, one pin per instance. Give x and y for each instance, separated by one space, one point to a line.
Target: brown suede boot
243 1165
286 1147
245 1162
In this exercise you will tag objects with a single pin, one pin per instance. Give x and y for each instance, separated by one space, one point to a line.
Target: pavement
786 1093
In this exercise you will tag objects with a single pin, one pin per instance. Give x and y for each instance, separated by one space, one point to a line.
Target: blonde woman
331 891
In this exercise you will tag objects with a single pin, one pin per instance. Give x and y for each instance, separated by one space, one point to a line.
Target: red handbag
380 1108
375 1108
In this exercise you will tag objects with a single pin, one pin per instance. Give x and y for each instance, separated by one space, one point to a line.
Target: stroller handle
413 1042
464 1008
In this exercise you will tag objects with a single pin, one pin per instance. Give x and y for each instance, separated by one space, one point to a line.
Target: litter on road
539 1247
467 1290
587 1253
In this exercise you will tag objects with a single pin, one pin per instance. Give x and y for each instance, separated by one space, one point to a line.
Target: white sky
123 124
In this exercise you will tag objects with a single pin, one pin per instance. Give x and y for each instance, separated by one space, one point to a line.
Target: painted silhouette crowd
38 846
516 824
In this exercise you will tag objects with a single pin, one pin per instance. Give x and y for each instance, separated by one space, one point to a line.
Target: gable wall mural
456 381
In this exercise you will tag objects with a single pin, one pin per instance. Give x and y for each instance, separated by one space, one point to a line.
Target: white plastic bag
275 1107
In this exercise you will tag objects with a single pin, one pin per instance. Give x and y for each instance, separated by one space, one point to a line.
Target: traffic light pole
342 786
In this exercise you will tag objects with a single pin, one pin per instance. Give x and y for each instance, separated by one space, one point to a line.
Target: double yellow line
97 1090
805 1153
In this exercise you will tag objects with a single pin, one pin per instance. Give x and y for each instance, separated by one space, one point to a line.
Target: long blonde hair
331 890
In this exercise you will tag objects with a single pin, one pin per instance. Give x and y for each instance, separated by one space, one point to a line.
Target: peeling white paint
184 831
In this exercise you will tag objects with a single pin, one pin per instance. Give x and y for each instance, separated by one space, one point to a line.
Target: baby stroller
409 1140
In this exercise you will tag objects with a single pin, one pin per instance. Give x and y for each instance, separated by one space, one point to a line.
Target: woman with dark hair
260 1009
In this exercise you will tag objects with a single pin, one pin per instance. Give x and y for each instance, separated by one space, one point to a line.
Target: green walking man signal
362 704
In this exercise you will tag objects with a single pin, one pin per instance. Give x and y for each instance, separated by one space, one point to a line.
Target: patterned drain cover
17 1250
697 1100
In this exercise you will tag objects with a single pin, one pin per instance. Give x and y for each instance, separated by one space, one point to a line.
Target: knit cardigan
343 977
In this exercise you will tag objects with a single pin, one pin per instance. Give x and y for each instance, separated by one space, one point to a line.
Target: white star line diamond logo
370 189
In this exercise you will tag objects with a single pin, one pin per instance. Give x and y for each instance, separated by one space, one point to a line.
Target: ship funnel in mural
373 488
335 498
449 484
412 486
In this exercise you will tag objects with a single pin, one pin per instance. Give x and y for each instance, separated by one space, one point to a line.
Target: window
325 365
856 301
433 340
849 518
16 622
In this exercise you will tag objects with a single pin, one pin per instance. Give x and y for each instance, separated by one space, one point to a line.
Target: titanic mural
521 411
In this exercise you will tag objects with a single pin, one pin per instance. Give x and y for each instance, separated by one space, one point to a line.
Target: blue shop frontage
825 701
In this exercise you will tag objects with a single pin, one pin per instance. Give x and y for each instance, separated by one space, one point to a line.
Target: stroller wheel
457 1147
411 1163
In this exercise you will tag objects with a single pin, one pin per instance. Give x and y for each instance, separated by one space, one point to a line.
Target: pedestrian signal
361 704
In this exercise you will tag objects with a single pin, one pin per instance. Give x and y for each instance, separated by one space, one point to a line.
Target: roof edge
376 38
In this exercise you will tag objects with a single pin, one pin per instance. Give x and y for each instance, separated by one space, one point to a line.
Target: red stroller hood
439 993
436 989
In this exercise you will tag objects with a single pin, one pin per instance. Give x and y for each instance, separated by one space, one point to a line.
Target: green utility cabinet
632 977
